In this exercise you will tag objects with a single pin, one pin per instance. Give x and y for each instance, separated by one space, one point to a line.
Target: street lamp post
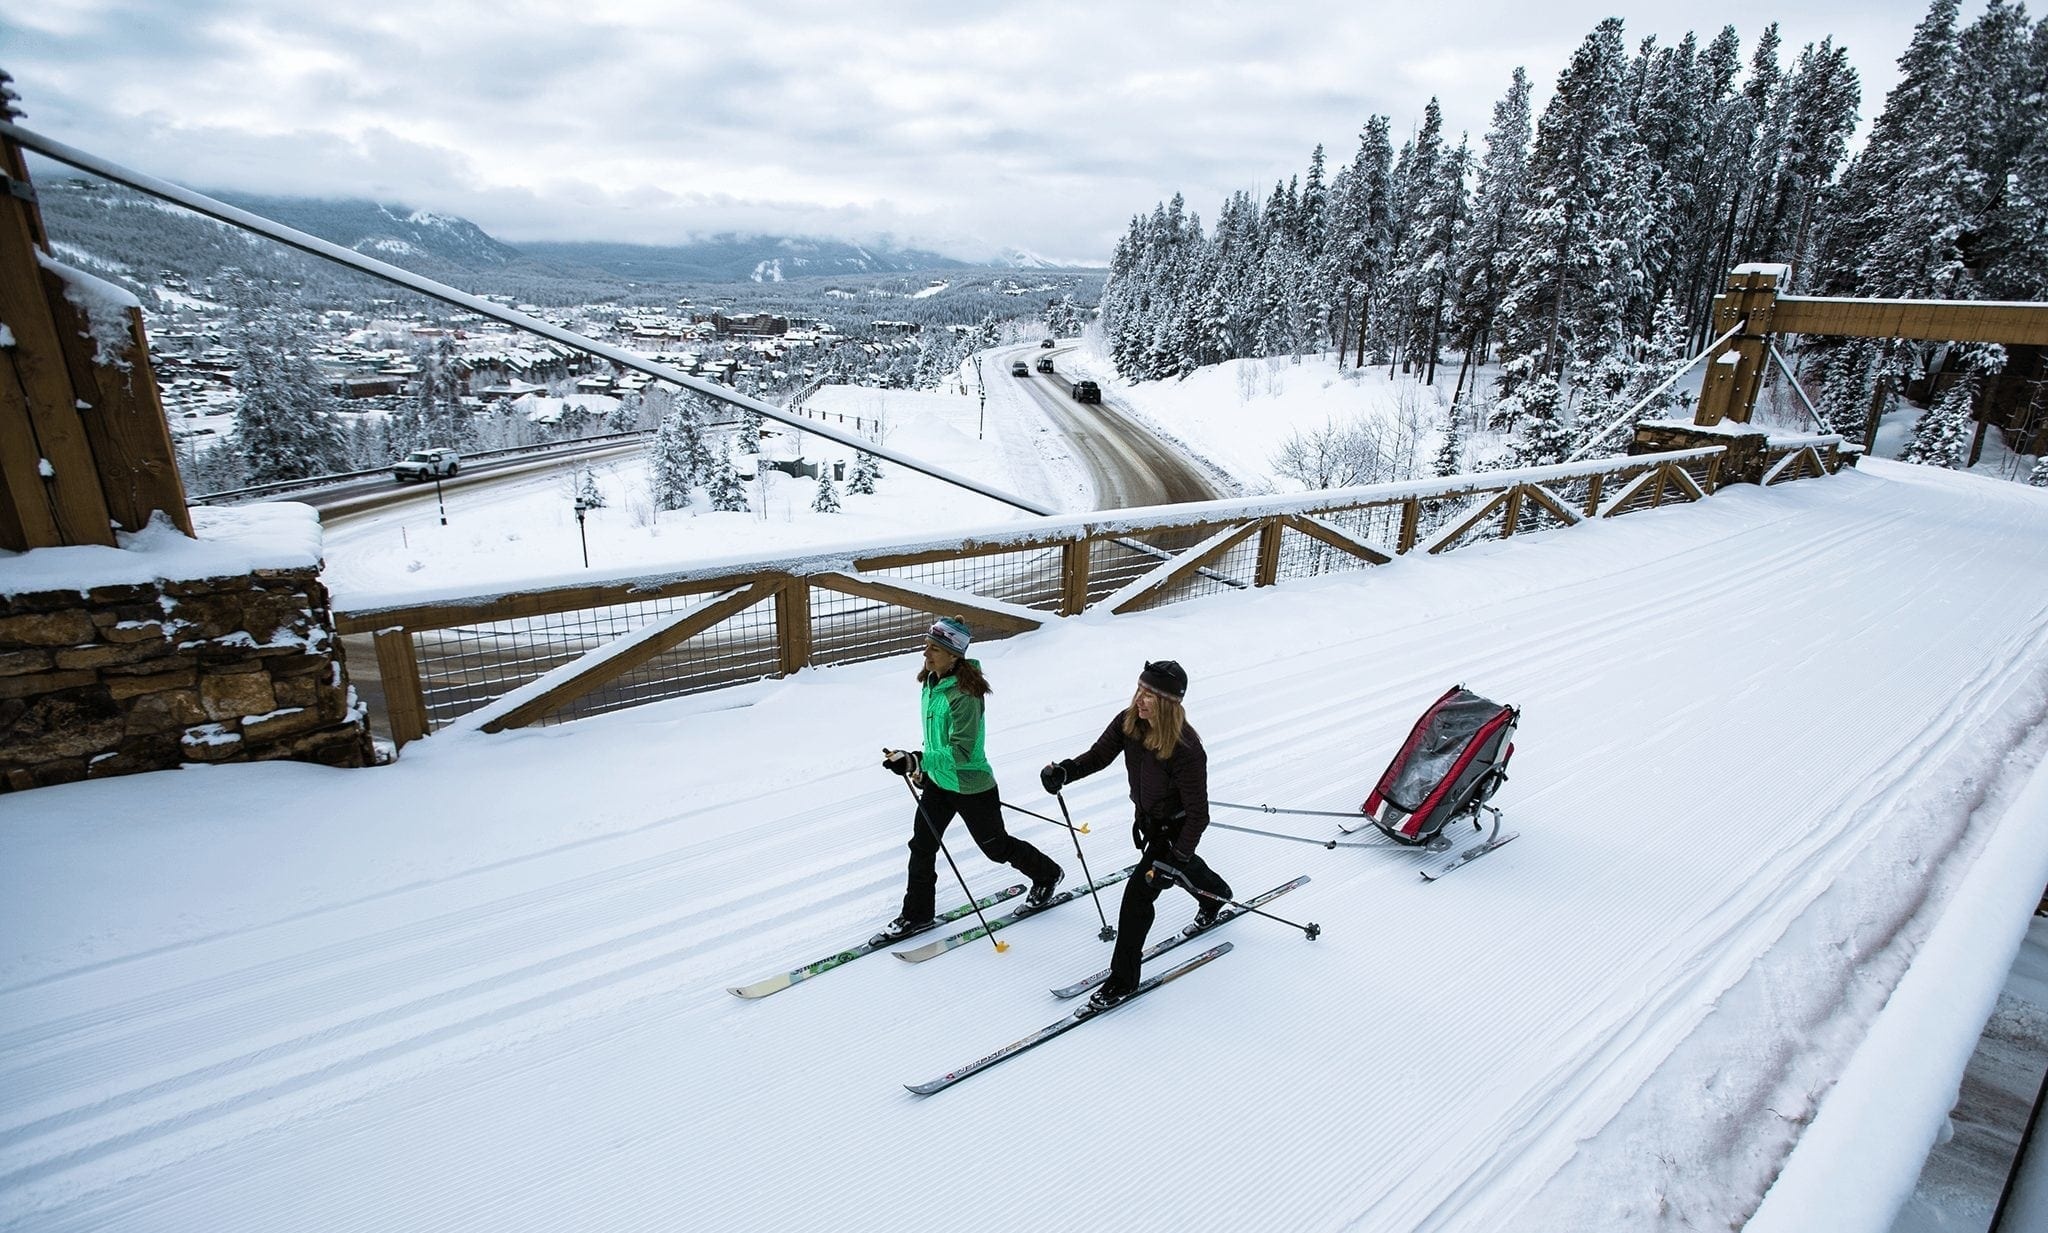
581 505
441 500
982 417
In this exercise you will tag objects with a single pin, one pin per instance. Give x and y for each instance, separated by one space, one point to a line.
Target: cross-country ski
1079 1016
783 980
932 950
1186 935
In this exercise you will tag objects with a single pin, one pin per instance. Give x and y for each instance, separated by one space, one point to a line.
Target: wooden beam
405 703
1340 539
1007 617
455 613
1451 532
1554 503
122 416
39 423
1131 594
2018 323
618 657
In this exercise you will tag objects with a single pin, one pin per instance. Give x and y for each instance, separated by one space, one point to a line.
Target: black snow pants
1134 918
983 814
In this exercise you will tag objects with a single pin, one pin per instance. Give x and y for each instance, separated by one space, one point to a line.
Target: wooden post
49 483
405 703
1074 566
793 624
1729 391
122 415
1269 553
1411 520
1513 516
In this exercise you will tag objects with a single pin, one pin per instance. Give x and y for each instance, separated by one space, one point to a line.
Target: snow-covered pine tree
748 433
588 492
1941 438
670 475
1497 205
865 471
826 500
1450 456
2038 477
728 494
1543 439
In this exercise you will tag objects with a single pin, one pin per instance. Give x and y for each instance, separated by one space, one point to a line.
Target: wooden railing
508 660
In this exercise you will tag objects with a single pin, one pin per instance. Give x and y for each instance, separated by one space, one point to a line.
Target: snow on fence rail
563 652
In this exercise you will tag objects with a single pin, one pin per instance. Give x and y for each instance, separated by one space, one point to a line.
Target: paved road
1129 467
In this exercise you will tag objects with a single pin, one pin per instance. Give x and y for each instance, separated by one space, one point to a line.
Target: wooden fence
509 660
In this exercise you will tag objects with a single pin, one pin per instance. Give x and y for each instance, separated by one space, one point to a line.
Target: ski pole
926 822
1316 813
1311 931
1321 843
1081 829
1107 933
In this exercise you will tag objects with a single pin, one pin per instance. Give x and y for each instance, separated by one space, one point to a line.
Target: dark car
1045 342
1045 363
1087 391
1019 370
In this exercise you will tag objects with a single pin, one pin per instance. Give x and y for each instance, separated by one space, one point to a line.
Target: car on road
1087 391
426 464
1045 363
1018 369
1045 342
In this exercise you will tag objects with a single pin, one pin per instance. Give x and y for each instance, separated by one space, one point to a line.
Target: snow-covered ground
1782 811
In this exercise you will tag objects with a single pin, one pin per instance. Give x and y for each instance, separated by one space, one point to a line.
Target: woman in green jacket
956 779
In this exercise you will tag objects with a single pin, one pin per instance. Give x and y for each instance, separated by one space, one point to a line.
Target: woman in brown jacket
1169 778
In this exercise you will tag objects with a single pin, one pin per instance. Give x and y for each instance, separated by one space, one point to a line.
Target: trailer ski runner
1063 1025
783 980
931 950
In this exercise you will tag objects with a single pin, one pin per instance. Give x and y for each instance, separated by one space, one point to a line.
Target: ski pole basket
1453 761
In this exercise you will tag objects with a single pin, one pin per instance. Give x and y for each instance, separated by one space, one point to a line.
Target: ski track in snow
546 1041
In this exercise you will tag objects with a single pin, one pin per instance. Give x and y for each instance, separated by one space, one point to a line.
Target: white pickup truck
426 465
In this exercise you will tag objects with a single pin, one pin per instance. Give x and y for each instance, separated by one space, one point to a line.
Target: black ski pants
983 813
1134 918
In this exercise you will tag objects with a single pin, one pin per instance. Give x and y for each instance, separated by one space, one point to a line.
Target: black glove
1180 856
1053 777
904 762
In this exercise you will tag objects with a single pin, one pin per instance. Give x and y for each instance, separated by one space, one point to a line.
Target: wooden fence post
793 624
1074 576
1269 552
405 704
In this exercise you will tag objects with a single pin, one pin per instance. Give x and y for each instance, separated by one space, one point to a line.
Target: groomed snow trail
1730 711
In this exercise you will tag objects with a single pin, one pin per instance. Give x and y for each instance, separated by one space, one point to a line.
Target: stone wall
139 677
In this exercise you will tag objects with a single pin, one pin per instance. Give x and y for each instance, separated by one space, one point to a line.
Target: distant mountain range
422 241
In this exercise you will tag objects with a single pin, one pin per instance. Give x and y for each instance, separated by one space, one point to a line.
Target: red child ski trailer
1453 761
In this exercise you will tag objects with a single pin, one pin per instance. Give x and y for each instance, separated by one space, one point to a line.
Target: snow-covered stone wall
137 676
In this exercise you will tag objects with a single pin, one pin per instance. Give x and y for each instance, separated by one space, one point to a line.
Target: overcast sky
961 126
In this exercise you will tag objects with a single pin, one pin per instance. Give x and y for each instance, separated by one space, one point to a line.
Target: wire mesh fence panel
1030 577
1234 570
1535 516
1115 564
1701 470
847 629
739 649
1572 493
1487 529
1304 556
1649 494
465 667
1439 512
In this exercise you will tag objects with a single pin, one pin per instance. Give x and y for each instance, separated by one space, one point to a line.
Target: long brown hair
1162 735
964 670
